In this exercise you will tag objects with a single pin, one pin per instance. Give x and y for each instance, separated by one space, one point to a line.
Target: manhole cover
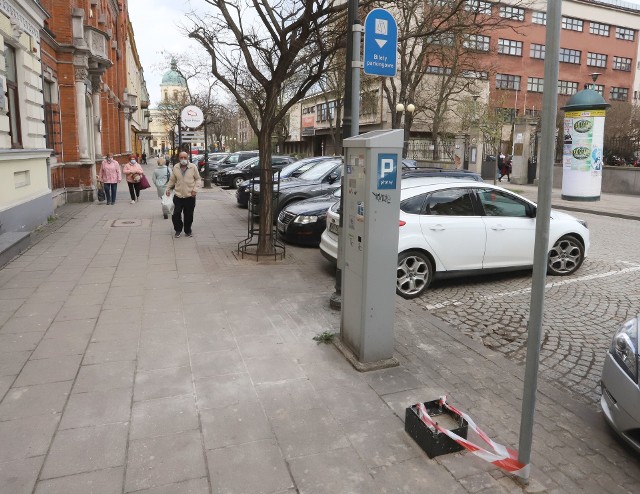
129 223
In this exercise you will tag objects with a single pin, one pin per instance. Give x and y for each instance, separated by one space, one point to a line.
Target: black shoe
189 234
177 235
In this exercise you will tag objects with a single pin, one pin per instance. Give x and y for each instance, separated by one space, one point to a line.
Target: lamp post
408 116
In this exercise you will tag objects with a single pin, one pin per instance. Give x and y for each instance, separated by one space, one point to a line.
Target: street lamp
408 116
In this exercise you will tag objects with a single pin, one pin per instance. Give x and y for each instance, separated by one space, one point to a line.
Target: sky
155 26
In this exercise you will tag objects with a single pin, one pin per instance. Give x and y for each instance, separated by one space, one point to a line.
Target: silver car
620 400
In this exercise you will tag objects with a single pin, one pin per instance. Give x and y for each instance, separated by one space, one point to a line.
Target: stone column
96 88
127 129
81 113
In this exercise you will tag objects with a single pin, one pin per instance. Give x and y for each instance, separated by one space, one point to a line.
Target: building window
599 29
475 74
535 84
598 88
508 81
572 24
506 114
570 56
443 39
513 13
478 6
622 63
619 93
11 72
539 18
567 87
625 33
477 42
596 59
51 117
332 108
510 47
437 70
536 51
532 112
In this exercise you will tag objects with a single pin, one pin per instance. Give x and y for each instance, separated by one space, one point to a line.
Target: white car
620 399
453 227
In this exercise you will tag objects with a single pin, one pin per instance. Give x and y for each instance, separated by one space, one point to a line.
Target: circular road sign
192 116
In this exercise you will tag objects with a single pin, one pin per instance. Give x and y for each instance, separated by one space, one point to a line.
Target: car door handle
436 228
498 228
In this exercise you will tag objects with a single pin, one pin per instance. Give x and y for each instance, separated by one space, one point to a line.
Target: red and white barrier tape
502 457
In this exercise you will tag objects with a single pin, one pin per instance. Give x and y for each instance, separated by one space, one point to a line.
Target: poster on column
582 157
583 139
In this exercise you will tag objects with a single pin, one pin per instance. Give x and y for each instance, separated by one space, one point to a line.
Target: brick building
88 104
596 37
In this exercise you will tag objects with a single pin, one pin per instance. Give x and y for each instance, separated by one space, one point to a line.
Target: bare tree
255 47
441 34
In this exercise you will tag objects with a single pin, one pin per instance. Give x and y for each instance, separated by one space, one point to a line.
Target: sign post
380 44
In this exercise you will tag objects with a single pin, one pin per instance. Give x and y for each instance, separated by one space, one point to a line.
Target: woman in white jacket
160 178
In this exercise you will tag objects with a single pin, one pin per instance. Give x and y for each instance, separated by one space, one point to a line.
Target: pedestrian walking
144 158
161 176
110 176
185 182
133 173
506 169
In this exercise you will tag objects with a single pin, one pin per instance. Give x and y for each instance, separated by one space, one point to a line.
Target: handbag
101 196
144 183
136 177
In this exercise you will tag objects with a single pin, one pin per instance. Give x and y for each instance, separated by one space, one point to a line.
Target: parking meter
371 213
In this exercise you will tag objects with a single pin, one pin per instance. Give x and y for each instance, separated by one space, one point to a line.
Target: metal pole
207 178
335 300
550 105
356 65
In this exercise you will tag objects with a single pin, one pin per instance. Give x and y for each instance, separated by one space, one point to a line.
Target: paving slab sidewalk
131 361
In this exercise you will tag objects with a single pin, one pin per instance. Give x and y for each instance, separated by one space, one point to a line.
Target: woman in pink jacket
133 172
110 176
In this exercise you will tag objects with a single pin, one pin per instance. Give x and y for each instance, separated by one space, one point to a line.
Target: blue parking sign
380 44
387 171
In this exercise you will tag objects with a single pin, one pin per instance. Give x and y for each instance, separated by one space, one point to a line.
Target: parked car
303 222
232 160
292 170
452 227
233 177
321 179
213 159
620 399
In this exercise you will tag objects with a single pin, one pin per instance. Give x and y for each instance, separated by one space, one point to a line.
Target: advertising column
582 156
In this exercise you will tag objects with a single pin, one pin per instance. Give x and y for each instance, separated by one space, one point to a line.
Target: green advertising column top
587 99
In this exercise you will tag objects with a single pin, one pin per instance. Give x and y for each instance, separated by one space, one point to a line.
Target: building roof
172 77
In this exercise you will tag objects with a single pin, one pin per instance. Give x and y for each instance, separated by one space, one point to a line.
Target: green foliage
324 337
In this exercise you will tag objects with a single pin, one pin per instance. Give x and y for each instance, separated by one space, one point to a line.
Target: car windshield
320 170
248 163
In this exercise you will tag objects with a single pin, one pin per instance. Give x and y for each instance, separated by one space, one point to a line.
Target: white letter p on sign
386 167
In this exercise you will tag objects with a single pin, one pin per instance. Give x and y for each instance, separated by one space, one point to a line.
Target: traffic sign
380 43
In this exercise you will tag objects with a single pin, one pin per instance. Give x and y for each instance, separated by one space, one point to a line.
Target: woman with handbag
134 173
110 175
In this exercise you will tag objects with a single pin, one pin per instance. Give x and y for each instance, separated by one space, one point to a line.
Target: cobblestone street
581 311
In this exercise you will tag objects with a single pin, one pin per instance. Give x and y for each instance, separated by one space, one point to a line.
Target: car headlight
305 219
624 347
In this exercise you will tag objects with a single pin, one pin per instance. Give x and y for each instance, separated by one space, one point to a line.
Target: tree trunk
265 223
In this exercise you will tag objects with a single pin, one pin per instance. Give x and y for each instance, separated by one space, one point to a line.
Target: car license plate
333 227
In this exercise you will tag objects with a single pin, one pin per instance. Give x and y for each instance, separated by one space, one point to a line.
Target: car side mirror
531 213
332 177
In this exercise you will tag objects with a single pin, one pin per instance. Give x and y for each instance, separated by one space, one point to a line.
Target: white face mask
109 158
132 161
184 162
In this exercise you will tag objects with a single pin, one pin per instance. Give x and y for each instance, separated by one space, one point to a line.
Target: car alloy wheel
565 257
237 181
414 274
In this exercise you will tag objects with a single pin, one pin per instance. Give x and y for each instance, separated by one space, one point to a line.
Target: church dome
172 77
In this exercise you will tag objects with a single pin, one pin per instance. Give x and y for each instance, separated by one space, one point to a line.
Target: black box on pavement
433 442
